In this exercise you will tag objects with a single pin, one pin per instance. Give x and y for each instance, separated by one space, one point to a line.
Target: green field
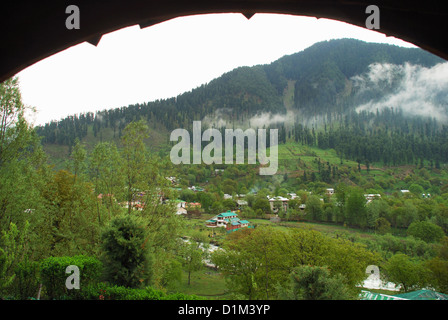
206 283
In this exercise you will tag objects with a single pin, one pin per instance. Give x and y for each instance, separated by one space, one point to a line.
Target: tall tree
106 175
356 212
192 258
21 156
134 160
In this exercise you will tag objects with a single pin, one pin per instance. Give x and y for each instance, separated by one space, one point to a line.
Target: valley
362 180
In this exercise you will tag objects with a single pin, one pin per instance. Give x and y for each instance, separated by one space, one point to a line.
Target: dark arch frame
34 30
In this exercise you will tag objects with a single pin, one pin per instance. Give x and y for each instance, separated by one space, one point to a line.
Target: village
229 219
280 208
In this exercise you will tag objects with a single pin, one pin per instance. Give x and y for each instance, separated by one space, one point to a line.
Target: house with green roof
228 220
414 295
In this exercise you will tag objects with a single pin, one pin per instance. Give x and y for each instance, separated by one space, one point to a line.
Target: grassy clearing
294 156
206 283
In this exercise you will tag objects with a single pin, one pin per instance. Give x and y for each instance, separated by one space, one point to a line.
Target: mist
267 119
416 90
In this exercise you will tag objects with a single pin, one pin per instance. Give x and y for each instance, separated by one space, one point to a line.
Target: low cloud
220 119
217 119
416 90
267 119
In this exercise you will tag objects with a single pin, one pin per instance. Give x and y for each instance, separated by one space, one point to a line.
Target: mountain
323 83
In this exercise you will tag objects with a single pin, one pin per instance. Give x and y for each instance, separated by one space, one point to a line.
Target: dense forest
324 99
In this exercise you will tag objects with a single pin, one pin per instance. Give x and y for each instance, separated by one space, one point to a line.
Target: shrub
126 256
315 283
103 291
426 231
52 271
26 282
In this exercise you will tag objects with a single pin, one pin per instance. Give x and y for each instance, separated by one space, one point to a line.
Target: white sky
136 65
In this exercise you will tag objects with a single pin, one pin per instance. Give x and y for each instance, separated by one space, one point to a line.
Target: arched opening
348 159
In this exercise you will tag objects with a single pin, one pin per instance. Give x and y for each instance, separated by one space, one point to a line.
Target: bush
315 283
126 256
103 291
26 282
426 231
52 271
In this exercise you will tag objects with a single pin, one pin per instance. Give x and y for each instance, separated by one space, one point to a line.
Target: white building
282 200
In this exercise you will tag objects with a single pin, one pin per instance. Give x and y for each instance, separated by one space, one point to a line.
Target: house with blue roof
228 220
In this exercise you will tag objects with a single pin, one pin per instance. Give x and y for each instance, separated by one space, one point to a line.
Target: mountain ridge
322 76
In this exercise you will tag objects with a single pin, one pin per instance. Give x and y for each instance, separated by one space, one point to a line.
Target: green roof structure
414 295
423 295
227 214
367 295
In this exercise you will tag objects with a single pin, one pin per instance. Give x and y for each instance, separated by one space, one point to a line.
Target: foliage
426 231
356 208
192 258
316 283
108 292
27 281
126 256
438 273
54 276
13 250
257 262
134 160
409 274
71 224
314 208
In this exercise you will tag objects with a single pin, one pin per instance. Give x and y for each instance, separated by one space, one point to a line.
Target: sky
134 65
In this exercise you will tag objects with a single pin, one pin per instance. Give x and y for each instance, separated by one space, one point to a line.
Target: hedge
103 291
53 276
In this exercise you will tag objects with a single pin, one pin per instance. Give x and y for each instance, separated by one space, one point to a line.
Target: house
193 205
370 197
236 224
283 201
221 219
293 196
181 206
172 180
196 189
228 220
241 203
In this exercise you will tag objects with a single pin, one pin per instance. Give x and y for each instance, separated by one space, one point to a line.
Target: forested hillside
324 96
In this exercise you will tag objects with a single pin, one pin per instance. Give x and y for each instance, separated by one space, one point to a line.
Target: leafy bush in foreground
103 291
